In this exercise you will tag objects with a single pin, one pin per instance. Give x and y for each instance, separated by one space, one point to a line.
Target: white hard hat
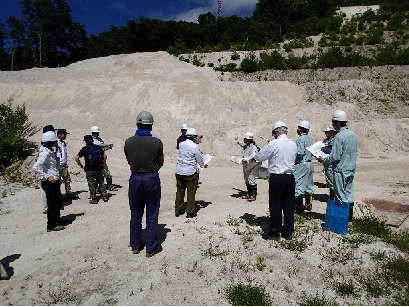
248 135
184 127
340 116
192 132
278 125
49 136
95 129
304 124
328 129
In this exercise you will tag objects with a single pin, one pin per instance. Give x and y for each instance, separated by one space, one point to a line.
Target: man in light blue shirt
343 160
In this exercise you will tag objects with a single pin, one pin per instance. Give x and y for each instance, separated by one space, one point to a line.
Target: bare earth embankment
89 263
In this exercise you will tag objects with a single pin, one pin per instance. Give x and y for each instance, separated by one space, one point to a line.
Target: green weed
248 295
315 300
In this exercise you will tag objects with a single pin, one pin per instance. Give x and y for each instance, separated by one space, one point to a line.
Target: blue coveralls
328 169
343 160
304 170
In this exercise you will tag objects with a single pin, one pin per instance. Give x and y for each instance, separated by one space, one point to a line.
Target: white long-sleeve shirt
62 152
189 158
281 153
47 164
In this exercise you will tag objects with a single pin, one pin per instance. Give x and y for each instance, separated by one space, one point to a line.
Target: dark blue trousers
144 189
281 201
54 202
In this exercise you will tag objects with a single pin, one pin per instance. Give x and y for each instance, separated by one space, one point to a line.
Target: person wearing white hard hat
47 166
328 171
187 175
304 170
182 137
250 149
95 131
280 153
343 160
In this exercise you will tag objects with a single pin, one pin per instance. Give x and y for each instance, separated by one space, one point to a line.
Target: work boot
248 192
299 205
251 198
308 202
351 212
110 187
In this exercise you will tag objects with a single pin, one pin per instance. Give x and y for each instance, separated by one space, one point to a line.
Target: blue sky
99 15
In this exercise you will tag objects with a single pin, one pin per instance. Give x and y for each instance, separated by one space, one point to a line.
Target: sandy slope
89 263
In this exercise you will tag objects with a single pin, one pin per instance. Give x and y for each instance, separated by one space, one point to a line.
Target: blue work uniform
328 169
343 161
303 170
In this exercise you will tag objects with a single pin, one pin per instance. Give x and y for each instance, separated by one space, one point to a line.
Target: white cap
328 129
248 135
304 124
95 129
278 125
184 127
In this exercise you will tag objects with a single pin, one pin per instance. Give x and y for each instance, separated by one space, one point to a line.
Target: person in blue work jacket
304 170
343 160
328 171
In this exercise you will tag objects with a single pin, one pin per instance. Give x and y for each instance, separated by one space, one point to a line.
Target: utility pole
219 8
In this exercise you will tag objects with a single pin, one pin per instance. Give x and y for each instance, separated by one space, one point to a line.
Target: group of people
52 167
291 184
289 166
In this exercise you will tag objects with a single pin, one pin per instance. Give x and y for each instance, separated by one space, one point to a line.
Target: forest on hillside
47 35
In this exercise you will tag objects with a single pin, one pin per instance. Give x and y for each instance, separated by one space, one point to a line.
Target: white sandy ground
89 263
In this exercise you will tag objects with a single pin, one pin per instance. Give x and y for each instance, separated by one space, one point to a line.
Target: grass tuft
248 295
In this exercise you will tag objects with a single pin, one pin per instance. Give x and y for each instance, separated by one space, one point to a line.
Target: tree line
47 36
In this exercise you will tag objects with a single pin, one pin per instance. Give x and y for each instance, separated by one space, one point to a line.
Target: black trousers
54 202
281 201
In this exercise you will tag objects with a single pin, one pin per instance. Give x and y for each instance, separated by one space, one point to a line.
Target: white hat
184 127
192 132
279 124
304 124
95 129
340 116
248 135
328 129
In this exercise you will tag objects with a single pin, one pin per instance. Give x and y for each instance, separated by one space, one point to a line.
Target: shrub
247 295
15 128
250 63
273 60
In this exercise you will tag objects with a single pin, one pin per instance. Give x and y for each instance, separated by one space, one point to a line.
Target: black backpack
95 156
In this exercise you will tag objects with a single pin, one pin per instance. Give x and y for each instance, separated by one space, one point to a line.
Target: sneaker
287 237
93 201
136 250
157 250
105 198
271 236
251 198
56 228
191 215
